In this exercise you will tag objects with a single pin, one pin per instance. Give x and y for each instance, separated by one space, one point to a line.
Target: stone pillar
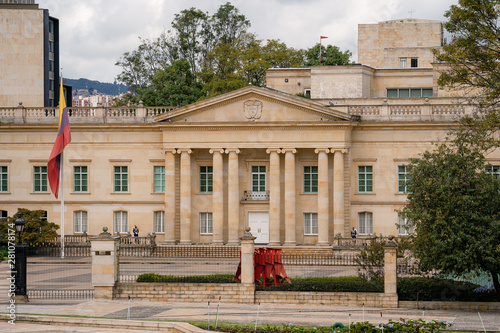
105 273
217 196
185 195
289 196
233 197
390 267
247 258
170 196
323 196
274 196
338 192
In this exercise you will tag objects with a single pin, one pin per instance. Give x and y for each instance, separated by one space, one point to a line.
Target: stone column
323 197
185 195
247 258
338 191
104 264
233 197
289 196
274 196
170 196
390 267
217 196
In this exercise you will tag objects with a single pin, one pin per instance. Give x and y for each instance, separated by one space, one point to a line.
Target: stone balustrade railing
377 109
82 115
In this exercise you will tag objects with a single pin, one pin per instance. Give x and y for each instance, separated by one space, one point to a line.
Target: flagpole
320 49
62 205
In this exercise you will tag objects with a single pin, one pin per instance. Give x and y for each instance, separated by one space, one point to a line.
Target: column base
218 242
21 298
290 243
185 242
322 244
169 242
274 244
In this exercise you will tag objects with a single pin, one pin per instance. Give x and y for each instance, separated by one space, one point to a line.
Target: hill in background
113 89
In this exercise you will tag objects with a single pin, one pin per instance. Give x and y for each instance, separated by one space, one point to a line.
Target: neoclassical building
298 171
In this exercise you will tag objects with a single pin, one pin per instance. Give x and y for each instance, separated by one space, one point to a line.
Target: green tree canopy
330 56
36 230
453 205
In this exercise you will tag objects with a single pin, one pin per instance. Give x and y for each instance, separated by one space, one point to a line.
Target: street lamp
20 266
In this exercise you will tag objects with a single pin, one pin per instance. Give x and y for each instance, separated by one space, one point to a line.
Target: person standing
135 231
354 232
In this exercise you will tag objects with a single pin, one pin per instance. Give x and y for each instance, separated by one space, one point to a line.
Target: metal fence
59 280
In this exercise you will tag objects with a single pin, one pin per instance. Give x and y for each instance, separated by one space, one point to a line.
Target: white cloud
94 34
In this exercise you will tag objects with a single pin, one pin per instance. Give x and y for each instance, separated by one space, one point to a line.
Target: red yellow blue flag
62 139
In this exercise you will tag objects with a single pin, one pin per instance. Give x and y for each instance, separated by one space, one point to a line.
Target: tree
36 230
453 206
330 56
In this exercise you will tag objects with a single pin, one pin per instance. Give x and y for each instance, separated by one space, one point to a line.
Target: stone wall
186 292
328 298
462 306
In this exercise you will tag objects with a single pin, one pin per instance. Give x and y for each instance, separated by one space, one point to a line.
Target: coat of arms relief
252 109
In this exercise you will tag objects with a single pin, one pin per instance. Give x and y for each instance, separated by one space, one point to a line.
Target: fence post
104 251
247 290
390 275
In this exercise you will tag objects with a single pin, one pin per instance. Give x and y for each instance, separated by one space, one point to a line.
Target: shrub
329 284
218 278
435 289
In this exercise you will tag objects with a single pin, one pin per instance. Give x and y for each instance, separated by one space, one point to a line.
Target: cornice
256 126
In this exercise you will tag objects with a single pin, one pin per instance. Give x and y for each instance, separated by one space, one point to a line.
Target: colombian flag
63 138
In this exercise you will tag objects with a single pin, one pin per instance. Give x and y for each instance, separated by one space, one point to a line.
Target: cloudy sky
95 33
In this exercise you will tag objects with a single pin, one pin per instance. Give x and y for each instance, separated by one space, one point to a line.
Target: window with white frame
79 221
258 178
4 184
493 170
159 222
159 179
80 177
365 223
120 179
310 223
402 62
206 179
403 178
310 179
404 227
365 179
40 179
206 224
121 221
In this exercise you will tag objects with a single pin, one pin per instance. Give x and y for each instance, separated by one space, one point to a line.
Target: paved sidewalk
237 313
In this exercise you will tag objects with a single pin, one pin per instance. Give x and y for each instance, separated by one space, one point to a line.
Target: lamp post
20 266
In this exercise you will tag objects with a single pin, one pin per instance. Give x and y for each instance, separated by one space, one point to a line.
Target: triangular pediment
253 105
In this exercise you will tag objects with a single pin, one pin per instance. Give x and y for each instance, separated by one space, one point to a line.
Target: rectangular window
427 92
121 222
121 179
365 223
159 179
392 93
404 228
310 223
206 179
258 178
3 179
3 214
307 93
79 222
205 223
159 222
365 179
493 169
310 179
403 178
406 92
402 62
80 179
40 179
414 62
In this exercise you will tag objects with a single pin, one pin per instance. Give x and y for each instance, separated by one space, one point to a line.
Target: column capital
169 150
213 150
184 150
232 150
321 150
340 150
273 150
288 150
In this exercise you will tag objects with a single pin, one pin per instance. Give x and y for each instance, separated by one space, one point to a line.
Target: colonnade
234 195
